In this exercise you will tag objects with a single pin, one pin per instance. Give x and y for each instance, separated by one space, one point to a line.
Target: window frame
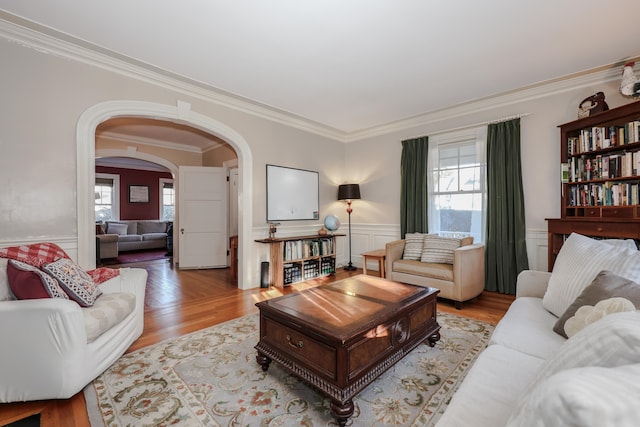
161 182
478 137
115 197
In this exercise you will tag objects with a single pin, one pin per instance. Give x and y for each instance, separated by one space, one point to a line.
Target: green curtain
413 186
505 246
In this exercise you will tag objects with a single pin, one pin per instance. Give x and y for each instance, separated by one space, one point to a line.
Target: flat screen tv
292 194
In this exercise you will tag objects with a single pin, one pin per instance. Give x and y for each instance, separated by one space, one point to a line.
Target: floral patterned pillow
75 281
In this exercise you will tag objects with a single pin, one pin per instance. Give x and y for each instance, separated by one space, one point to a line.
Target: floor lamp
349 192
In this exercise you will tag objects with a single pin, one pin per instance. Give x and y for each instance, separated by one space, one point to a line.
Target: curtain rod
491 122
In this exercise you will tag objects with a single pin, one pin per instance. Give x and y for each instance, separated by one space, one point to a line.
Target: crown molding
540 90
156 143
49 41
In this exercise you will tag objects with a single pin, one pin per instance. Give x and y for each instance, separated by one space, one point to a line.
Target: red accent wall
129 177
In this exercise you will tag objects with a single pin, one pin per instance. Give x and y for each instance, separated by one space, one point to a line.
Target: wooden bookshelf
299 258
600 194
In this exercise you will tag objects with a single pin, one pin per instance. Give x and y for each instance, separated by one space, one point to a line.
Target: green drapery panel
413 186
505 246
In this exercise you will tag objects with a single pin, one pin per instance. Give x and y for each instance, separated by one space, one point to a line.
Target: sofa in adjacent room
531 374
453 265
136 234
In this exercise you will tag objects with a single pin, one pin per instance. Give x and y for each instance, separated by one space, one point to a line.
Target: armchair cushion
29 282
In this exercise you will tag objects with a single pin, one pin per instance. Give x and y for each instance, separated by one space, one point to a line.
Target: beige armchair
459 282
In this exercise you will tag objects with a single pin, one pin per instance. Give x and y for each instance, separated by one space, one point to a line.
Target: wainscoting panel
537 248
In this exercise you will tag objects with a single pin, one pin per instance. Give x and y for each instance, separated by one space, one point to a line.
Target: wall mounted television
292 194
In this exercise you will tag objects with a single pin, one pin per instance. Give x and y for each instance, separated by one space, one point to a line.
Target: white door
202 216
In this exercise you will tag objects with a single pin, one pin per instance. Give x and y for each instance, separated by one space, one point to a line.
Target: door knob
182 230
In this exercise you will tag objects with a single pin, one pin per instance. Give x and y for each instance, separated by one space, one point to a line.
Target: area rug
211 378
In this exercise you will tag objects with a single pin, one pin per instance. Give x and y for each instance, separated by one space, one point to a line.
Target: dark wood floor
182 301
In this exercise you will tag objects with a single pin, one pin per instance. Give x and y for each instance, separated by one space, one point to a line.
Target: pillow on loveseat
438 249
579 262
413 246
605 286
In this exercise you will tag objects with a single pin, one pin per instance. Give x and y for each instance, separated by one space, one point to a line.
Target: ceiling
358 64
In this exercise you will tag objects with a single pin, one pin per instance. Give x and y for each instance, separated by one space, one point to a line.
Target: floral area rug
211 378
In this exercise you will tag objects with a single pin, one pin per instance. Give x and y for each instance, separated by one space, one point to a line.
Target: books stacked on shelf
601 137
311 269
292 273
328 265
609 193
615 165
299 249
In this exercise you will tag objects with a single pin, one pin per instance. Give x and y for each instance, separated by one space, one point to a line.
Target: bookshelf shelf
601 189
299 258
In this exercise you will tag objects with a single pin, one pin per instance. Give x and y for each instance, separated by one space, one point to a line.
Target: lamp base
349 267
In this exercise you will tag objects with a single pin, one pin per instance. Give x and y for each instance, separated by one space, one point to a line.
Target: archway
181 113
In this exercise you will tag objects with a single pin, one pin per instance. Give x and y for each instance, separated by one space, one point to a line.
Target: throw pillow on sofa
438 249
605 286
585 397
75 281
413 246
117 228
579 262
29 282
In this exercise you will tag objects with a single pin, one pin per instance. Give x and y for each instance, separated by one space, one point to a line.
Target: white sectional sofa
530 375
52 348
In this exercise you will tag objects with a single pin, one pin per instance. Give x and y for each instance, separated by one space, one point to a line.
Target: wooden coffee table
341 336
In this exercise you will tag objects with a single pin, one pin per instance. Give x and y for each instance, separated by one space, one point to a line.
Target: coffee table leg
263 361
433 338
342 411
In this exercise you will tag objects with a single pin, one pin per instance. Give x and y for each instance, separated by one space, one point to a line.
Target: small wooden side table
379 255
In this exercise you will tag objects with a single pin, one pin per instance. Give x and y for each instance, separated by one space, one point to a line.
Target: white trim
85 144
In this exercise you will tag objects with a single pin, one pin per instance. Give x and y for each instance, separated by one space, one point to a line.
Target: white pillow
579 262
437 249
612 341
413 246
585 397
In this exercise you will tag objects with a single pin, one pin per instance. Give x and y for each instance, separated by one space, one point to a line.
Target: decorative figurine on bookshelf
273 229
630 84
592 104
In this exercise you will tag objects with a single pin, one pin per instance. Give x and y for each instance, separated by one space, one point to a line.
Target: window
457 183
168 199
107 197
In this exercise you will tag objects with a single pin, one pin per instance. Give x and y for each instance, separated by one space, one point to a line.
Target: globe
331 223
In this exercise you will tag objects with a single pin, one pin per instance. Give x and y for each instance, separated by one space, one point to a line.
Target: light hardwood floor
182 301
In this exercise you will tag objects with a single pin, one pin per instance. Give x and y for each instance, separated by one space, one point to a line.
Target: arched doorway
181 113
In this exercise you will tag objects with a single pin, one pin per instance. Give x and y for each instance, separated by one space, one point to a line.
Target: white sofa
52 348
530 375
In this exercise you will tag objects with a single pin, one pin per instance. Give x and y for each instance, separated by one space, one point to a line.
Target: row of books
297 249
298 271
605 194
599 137
604 166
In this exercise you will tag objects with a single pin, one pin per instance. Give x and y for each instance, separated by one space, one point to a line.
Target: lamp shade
349 192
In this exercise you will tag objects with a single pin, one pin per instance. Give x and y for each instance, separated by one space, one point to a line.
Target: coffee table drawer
318 356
